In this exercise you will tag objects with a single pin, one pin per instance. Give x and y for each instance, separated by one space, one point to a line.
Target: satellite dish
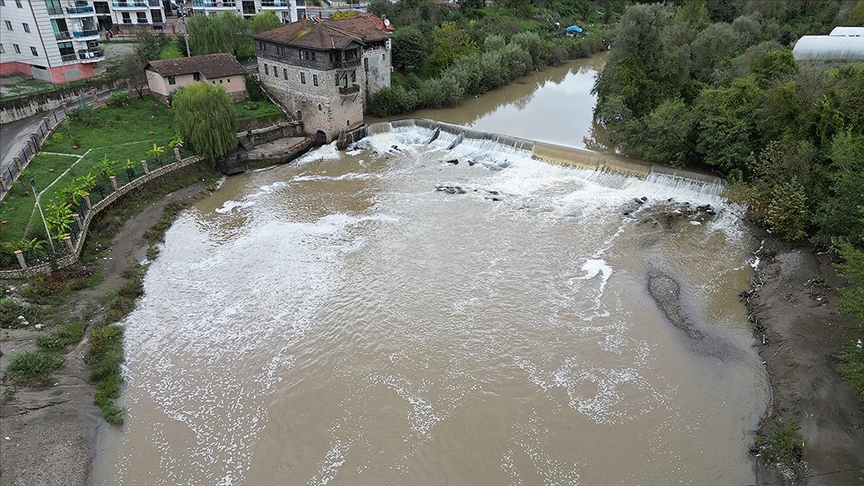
387 22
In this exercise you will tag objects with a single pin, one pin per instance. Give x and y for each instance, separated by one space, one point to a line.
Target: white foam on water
251 199
323 153
344 177
532 439
177 363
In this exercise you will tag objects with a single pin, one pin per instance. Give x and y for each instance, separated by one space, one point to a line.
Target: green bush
119 99
104 358
62 336
85 115
851 366
9 312
783 445
33 368
393 101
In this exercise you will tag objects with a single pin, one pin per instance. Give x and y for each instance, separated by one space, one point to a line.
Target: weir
448 136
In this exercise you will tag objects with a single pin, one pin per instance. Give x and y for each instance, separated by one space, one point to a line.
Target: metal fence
99 192
37 138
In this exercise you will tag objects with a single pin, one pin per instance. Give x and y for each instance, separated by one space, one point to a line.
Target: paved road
13 136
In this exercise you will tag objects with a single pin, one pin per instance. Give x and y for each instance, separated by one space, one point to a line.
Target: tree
149 44
636 70
666 134
206 119
263 21
449 43
132 69
410 48
221 33
787 210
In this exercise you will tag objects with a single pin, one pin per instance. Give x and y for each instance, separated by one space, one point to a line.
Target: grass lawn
255 109
118 133
170 51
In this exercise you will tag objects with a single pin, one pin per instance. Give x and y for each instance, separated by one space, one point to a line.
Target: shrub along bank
499 63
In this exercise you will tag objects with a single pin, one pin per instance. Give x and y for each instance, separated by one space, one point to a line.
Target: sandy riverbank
793 304
47 436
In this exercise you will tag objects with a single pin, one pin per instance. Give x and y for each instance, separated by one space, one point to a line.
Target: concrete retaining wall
19 108
547 152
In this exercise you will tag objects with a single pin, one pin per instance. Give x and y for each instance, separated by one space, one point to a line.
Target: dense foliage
715 84
205 118
228 32
443 55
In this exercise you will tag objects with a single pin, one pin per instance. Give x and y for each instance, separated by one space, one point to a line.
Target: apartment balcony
347 64
214 5
275 5
349 90
85 34
55 11
62 35
69 57
94 55
85 11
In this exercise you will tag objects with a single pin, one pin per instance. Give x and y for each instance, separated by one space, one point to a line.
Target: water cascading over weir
454 137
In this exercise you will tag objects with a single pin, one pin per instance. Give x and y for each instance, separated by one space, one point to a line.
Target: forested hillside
715 85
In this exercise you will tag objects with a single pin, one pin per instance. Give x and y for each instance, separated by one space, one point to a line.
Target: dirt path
803 332
46 436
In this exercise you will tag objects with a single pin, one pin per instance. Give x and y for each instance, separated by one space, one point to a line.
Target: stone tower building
324 72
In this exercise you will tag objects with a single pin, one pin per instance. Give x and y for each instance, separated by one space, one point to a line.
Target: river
341 321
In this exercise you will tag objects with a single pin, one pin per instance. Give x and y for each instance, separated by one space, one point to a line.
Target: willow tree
227 32
263 21
205 118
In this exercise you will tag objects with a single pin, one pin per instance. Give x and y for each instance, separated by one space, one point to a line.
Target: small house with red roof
166 76
324 72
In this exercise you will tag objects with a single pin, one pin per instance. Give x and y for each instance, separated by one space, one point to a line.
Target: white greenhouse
829 48
848 32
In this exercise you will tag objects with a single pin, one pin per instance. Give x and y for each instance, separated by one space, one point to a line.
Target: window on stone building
285 73
275 72
302 78
337 79
34 51
172 80
196 76
315 79
266 69
354 76
26 27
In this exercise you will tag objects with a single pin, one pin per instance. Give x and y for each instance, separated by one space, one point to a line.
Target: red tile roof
211 66
328 34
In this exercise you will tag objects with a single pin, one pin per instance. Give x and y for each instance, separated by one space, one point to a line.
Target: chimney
304 20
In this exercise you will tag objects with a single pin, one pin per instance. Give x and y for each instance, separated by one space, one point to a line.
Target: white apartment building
286 10
48 39
130 14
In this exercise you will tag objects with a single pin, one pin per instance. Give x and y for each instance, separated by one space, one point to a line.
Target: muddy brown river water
339 321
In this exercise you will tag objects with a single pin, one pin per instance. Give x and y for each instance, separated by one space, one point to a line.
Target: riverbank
792 305
49 434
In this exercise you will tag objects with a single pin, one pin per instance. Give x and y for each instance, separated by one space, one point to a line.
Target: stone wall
376 67
19 108
320 107
96 209
253 138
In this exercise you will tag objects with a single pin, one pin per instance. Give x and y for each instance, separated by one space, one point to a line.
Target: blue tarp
574 28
